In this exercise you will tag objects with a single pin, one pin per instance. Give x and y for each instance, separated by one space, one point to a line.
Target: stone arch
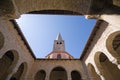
25 6
8 63
75 75
58 73
108 70
113 44
58 12
40 75
19 75
92 73
25 70
1 40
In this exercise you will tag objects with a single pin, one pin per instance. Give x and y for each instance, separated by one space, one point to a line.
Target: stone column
116 61
12 70
69 78
11 73
47 77
102 78
69 75
101 75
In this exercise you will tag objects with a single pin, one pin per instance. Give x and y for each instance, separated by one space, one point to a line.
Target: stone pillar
69 75
102 78
47 75
69 78
116 61
11 73
101 75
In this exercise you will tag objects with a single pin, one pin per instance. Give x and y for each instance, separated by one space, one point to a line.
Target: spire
59 37
59 50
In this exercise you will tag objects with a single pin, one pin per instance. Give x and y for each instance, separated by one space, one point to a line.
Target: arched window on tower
60 42
57 43
59 56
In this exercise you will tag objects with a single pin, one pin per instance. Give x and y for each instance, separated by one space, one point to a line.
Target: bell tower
59 44
58 51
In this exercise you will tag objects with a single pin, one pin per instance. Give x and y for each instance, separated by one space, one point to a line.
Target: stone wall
102 49
13 42
49 64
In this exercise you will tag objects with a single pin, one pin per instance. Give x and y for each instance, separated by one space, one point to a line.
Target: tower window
60 42
59 56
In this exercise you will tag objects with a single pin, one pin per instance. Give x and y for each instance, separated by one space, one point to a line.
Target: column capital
94 16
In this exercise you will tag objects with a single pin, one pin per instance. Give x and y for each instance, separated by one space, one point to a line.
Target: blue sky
41 31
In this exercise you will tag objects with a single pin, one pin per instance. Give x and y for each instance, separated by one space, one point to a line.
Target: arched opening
7 63
58 73
40 75
1 40
113 44
92 73
20 72
116 43
108 70
75 75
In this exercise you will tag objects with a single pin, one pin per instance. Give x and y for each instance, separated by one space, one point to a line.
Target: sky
41 30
